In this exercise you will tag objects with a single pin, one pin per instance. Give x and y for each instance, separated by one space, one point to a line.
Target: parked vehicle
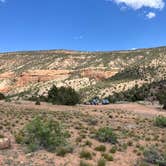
105 101
95 102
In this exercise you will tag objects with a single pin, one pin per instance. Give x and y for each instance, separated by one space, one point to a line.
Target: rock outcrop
4 143
35 76
38 76
98 74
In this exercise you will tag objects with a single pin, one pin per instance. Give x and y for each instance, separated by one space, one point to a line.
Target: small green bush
33 98
92 121
101 148
101 162
1 136
83 163
154 156
88 143
106 134
86 155
160 121
2 96
42 133
8 100
113 149
130 143
108 157
37 102
19 137
62 151
141 163
162 98
164 106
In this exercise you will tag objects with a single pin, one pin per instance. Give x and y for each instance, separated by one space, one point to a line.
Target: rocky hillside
91 73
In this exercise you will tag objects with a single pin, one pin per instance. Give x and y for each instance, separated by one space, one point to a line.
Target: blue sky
89 25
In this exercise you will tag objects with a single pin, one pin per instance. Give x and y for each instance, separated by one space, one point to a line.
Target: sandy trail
145 110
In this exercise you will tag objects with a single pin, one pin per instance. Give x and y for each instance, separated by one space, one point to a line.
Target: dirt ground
150 110
132 122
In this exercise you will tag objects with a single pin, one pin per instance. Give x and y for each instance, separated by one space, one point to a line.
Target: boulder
4 143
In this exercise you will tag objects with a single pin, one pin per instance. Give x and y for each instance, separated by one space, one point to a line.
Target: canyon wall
38 76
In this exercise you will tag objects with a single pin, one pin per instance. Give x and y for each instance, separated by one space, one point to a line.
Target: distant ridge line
66 51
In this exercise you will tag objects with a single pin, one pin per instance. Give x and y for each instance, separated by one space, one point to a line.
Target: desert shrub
37 102
43 133
162 99
88 143
101 148
151 155
141 163
160 121
63 95
154 156
19 137
1 136
53 94
83 163
113 149
62 151
130 143
106 134
112 99
33 98
101 162
108 156
92 121
2 96
141 93
8 100
130 73
131 95
164 106
86 155
43 98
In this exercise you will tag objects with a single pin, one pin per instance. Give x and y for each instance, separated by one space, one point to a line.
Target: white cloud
138 4
151 15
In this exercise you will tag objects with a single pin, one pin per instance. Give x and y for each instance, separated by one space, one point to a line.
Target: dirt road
146 110
133 107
